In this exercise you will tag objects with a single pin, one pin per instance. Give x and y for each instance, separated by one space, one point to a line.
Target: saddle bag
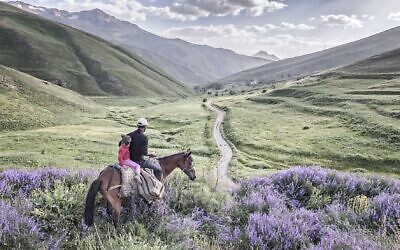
150 189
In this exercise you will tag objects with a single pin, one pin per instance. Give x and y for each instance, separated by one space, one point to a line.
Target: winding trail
224 183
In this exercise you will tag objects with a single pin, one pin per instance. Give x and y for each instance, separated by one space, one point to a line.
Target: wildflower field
298 208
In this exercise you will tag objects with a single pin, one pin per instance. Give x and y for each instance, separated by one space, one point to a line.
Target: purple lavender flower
334 239
386 211
17 229
294 230
21 182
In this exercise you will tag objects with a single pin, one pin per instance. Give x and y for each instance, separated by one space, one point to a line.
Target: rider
138 149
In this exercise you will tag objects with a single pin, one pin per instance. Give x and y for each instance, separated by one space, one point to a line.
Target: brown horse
110 177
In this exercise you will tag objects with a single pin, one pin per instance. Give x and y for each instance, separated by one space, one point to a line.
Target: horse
110 178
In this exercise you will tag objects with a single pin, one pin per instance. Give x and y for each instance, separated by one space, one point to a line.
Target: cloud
368 17
232 30
342 20
282 27
291 26
229 30
394 16
201 8
249 39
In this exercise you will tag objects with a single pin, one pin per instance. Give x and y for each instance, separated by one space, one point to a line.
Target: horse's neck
169 164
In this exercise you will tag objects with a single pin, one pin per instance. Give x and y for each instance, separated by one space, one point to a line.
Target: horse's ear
189 152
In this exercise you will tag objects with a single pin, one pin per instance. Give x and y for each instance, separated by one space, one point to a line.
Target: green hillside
28 102
77 60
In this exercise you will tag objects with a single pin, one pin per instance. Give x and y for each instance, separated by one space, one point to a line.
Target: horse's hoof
84 228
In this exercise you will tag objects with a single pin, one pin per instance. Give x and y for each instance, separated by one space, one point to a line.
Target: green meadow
90 140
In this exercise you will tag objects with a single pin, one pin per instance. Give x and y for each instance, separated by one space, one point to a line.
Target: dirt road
224 183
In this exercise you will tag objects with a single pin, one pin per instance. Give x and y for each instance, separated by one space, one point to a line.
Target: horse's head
187 165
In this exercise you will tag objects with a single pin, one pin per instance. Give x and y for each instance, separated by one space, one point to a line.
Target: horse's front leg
117 210
109 209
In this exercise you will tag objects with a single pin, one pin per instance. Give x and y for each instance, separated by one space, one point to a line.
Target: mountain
266 56
77 60
320 61
190 63
28 102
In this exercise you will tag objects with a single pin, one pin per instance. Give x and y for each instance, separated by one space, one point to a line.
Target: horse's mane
165 157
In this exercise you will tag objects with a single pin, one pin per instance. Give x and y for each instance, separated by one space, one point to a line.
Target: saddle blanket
151 188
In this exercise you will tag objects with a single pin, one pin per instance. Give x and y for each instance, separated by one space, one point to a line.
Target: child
124 158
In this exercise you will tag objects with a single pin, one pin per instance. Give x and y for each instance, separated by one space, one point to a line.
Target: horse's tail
90 202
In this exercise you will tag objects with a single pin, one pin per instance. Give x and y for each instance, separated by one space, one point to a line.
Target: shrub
59 209
359 203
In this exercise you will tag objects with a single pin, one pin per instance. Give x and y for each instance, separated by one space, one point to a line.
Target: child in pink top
124 156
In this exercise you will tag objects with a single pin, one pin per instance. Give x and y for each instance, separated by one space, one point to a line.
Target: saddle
150 189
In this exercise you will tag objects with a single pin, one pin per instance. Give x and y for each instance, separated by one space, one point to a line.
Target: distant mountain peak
27 7
265 55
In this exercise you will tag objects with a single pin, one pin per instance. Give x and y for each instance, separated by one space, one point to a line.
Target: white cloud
229 30
201 8
262 29
368 17
291 26
342 20
394 16
282 27
179 13
249 39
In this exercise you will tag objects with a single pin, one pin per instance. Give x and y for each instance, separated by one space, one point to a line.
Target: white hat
142 122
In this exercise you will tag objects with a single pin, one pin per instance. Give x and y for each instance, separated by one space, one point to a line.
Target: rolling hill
320 61
191 63
77 60
28 102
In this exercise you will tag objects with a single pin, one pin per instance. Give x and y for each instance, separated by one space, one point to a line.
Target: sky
286 28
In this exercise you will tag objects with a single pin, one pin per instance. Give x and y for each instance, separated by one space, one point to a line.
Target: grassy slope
352 123
27 102
386 64
86 64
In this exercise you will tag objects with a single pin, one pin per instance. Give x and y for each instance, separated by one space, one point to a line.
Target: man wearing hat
138 149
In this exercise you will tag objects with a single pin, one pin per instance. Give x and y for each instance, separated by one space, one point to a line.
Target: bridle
187 167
